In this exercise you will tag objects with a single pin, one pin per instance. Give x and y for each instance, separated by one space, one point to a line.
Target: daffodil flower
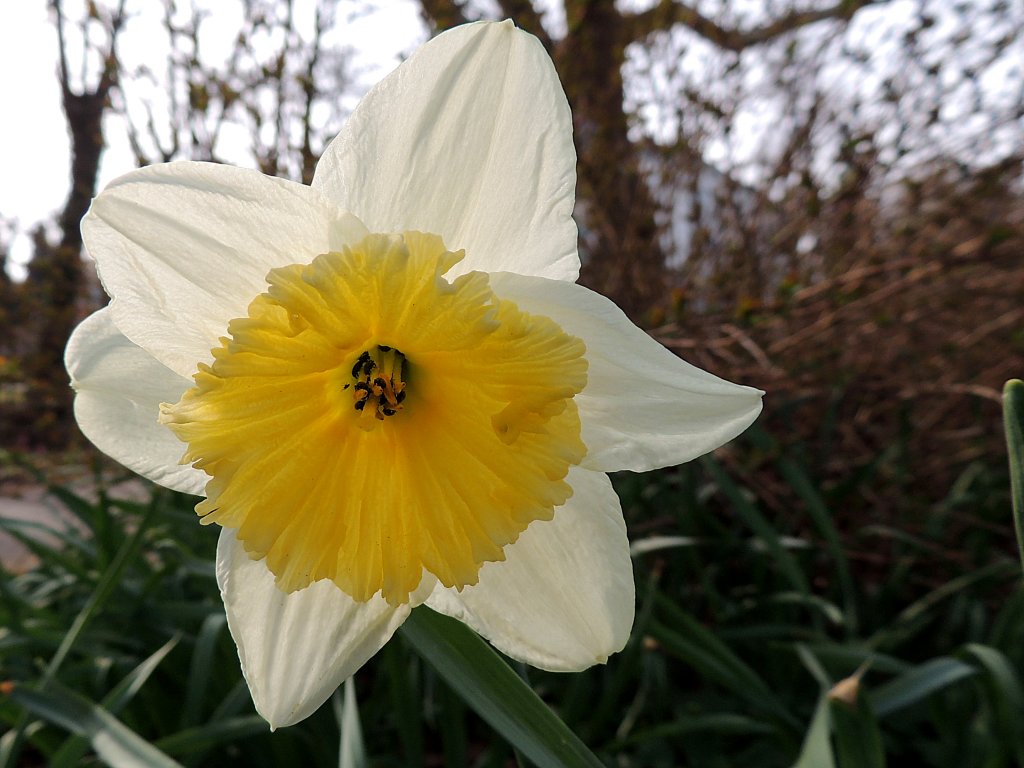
389 387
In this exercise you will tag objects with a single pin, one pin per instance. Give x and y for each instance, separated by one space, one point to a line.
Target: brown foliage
897 359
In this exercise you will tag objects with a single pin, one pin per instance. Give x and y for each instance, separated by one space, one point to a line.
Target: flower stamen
379 384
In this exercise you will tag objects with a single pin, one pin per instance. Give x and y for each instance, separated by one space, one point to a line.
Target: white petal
118 391
643 407
182 248
563 599
297 648
470 139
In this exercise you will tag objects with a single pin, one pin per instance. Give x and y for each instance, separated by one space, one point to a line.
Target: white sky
34 146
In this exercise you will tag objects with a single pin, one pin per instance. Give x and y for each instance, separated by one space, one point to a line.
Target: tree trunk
56 273
622 255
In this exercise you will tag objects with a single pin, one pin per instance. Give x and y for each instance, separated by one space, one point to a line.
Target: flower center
379 387
368 421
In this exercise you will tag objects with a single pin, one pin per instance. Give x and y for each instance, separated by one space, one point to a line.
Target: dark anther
361 363
378 391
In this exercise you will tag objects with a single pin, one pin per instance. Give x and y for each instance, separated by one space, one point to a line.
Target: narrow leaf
404 698
821 516
71 752
114 742
759 524
817 748
1013 419
220 730
858 740
1004 694
918 684
494 690
201 668
352 750
715 661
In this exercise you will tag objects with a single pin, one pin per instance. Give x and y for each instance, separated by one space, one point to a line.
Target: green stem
1013 418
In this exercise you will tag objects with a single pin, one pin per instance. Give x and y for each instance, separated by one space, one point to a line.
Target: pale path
33 504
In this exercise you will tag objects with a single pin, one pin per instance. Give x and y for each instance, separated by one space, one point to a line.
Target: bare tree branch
668 13
309 90
443 14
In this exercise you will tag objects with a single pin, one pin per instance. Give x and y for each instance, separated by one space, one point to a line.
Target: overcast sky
34 147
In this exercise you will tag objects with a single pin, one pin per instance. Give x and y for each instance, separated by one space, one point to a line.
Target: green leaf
758 523
114 742
70 754
726 723
915 615
404 699
220 730
201 668
811 663
821 516
108 582
918 684
858 740
1004 694
125 690
494 690
1013 419
817 748
1002 674
10 743
713 660
352 750
450 717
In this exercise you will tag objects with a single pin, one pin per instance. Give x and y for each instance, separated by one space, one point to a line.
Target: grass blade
201 668
858 740
725 723
70 754
821 516
103 590
1004 694
218 731
494 690
715 661
1013 420
114 742
918 684
10 745
404 699
817 748
352 750
759 524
